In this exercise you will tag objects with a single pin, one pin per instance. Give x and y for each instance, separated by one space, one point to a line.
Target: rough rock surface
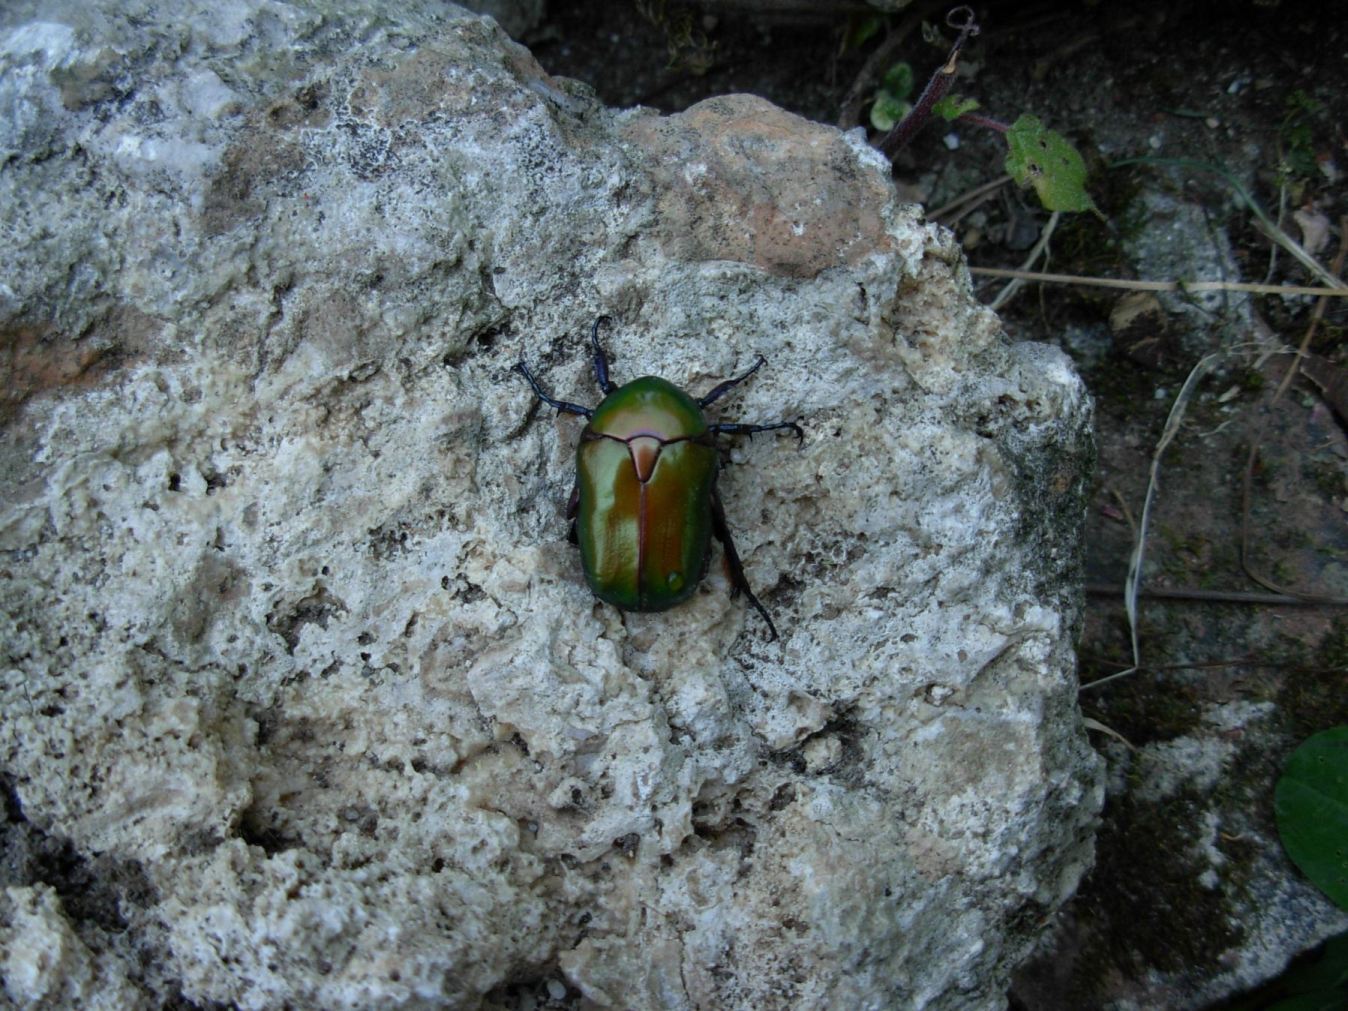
1190 812
302 682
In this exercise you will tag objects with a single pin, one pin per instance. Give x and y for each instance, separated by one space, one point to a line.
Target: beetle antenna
600 359
563 406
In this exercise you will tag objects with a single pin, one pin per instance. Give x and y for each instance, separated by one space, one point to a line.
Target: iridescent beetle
645 503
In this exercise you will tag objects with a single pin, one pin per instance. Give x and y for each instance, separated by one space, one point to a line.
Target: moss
1327 476
1189 927
1250 380
1312 696
1147 708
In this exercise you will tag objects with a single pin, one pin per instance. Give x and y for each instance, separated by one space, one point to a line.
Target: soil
1250 93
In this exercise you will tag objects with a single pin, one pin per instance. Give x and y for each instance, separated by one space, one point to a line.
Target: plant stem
985 121
940 82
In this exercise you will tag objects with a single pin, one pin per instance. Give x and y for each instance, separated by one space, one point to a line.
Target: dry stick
1249 661
1265 224
976 196
1317 314
1172 425
1016 284
1196 665
1131 584
1247 481
1091 724
1209 596
1243 661
1179 286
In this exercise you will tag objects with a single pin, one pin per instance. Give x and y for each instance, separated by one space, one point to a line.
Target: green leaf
952 107
1311 803
861 31
1045 160
1325 1000
898 81
1329 972
887 110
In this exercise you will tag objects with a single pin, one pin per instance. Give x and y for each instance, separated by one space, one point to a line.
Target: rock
47 965
1138 324
1192 813
516 17
736 178
296 640
1177 241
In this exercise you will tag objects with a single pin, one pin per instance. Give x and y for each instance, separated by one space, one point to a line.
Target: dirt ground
1251 96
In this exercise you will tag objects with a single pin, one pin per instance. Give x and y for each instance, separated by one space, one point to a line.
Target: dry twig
1181 286
1015 284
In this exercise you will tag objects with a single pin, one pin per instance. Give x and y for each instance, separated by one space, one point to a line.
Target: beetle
645 505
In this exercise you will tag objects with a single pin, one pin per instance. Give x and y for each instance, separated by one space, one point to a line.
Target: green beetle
645 505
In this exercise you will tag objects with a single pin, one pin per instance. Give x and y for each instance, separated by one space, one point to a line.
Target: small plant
891 99
1311 804
1046 160
689 47
1296 135
1038 157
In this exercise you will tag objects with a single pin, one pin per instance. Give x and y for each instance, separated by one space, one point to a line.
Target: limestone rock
293 628
47 965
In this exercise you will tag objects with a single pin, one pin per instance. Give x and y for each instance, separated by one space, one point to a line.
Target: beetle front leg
738 581
563 406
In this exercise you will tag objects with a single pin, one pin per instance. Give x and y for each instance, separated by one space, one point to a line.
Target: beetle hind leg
738 582
572 508
736 428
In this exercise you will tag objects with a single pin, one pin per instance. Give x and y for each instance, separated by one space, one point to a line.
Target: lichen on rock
292 625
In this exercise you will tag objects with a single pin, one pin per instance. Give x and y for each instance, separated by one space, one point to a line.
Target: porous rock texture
306 703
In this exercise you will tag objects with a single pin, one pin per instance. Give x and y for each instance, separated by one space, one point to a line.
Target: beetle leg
738 581
572 508
734 428
721 389
600 359
561 405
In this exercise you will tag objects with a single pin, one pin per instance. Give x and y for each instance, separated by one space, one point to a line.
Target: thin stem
974 196
1121 282
940 82
985 121
1015 284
